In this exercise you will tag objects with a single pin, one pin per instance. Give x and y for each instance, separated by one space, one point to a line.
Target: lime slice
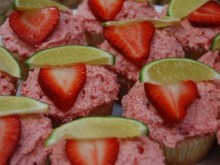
158 22
98 127
67 55
172 70
35 4
215 45
21 105
9 64
181 8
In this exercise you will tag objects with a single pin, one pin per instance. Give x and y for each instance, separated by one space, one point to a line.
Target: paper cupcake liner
189 151
194 53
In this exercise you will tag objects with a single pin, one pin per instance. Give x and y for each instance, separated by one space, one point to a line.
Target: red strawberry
132 40
92 152
207 15
10 129
34 26
62 84
105 10
171 101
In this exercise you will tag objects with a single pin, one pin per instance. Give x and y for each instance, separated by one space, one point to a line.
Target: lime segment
9 64
98 127
181 8
158 22
21 105
35 4
171 70
215 45
67 55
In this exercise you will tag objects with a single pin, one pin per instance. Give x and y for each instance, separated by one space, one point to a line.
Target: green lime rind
9 64
36 4
215 45
10 105
98 127
68 55
176 69
180 9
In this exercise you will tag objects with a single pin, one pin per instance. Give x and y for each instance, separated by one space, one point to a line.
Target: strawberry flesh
62 84
105 10
92 152
207 15
132 40
10 130
172 100
34 26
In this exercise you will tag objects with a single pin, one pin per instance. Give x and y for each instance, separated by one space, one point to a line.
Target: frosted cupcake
182 133
53 27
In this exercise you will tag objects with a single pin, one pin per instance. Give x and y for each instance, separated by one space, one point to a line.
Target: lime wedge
181 8
67 55
35 4
21 105
172 70
215 45
98 127
158 22
9 64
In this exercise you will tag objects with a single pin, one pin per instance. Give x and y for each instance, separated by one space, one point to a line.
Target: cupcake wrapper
189 151
194 53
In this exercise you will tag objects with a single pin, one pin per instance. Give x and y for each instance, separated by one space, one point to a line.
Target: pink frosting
193 37
100 88
68 31
34 130
138 151
163 45
201 118
7 84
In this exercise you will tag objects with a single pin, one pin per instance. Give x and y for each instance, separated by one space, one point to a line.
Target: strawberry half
132 40
105 10
62 84
92 152
34 26
172 100
207 15
10 130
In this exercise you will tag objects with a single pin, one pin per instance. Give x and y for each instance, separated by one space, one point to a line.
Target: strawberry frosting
7 84
68 31
200 119
31 150
100 88
139 151
163 45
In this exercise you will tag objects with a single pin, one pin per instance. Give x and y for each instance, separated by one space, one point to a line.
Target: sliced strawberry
34 26
171 101
207 15
92 152
132 40
62 84
10 130
105 10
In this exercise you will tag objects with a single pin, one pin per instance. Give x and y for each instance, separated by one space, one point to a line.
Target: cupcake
175 114
196 31
58 28
8 84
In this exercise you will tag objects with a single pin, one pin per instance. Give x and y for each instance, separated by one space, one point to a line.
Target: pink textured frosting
68 31
35 129
100 88
163 45
193 37
130 9
201 118
7 84
138 151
